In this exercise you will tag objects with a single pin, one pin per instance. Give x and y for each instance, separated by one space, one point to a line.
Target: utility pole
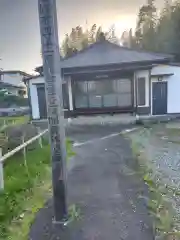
53 88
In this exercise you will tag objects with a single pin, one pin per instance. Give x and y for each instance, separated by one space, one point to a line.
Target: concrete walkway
98 120
103 185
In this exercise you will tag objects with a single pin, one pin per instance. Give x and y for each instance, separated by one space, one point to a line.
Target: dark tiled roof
106 53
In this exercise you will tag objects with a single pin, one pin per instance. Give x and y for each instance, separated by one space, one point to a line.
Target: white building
106 78
13 81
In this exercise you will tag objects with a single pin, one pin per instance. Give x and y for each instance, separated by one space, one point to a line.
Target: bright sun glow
124 23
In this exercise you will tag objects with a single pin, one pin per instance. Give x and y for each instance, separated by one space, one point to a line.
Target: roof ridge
139 50
117 46
84 49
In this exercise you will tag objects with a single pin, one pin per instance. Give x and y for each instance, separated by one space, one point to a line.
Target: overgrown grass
26 190
159 207
13 120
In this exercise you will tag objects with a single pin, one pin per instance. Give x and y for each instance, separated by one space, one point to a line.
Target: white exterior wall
70 94
14 91
34 96
144 74
13 78
173 85
173 98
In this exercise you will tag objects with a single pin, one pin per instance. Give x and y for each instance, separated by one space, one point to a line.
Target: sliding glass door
80 94
103 93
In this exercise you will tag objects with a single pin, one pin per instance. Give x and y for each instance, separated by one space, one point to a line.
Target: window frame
145 103
90 93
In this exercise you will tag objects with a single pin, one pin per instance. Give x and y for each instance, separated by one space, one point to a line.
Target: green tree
79 39
168 29
161 33
146 26
111 35
98 33
165 29
67 49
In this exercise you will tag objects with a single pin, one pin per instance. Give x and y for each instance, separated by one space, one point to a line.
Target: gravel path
161 145
103 185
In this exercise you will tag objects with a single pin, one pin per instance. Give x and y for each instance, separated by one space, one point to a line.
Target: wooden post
24 151
70 98
54 99
1 173
40 138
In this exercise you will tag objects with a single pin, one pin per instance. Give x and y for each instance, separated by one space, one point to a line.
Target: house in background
107 78
9 89
13 81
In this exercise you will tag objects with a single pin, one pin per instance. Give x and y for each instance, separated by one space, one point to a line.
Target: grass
13 120
26 191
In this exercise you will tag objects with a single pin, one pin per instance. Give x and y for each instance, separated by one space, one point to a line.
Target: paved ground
103 185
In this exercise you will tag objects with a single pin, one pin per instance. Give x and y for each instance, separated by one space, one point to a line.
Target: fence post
40 138
24 150
1 173
4 123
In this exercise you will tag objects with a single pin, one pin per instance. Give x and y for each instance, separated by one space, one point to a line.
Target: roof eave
67 70
162 75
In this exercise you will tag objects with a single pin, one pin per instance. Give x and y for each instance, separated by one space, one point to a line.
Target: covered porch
102 79
108 92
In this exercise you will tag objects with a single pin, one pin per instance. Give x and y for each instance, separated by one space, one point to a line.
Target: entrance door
42 101
159 103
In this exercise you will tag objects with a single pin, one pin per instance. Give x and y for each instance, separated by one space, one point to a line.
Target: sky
20 45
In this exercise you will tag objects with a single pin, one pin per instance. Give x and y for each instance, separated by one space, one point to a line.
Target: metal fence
17 149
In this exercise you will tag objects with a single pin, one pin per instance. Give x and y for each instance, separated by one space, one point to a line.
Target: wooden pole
24 150
1 173
40 139
54 99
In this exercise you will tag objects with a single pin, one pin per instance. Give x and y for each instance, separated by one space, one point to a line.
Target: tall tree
67 48
159 34
125 39
111 35
79 39
98 34
146 26
165 29
168 29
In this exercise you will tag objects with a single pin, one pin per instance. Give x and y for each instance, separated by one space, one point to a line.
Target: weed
74 213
